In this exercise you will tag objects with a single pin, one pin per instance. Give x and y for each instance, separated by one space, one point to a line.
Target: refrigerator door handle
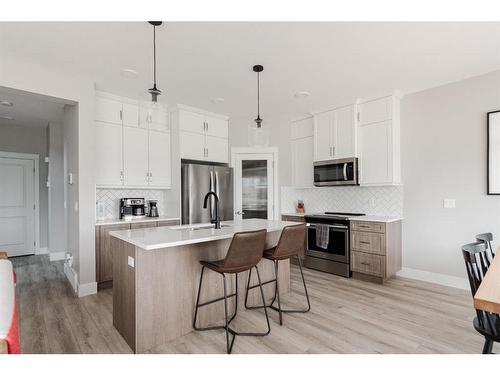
212 199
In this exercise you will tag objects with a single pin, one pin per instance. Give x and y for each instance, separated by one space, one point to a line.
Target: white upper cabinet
108 110
344 132
130 114
301 139
203 135
109 152
335 134
376 110
216 149
133 145
160 161
322 136
379 142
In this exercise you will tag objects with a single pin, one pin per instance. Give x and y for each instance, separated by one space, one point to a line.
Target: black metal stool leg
198 299
263 302
229 346
305 287
248 287
277 292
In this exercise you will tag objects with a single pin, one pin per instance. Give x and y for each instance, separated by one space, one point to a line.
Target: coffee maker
132 207
153 209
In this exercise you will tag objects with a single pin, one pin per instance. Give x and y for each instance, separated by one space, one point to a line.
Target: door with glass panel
254 186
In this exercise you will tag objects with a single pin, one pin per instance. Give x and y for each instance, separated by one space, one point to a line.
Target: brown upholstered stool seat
289 245
218 266
244 253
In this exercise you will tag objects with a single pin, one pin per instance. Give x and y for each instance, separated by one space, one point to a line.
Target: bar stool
245 252
290 244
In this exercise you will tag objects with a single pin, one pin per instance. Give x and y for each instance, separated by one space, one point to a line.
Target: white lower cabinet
135 156
160 168
109 152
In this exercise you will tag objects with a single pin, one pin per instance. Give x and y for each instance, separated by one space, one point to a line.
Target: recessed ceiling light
218 100
6 117
302 94
129 73
6 103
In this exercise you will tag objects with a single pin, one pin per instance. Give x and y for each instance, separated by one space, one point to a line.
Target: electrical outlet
371 202
131 261
449 203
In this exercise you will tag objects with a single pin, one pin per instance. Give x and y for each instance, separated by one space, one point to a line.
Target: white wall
30 140
57 237
443 136
79 90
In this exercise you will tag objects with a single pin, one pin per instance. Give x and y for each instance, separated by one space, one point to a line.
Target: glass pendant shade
257 136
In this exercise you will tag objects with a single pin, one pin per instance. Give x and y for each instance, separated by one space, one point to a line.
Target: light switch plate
131 261
449 203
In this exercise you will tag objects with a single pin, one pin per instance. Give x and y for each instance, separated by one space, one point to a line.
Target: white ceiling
336 62
29 109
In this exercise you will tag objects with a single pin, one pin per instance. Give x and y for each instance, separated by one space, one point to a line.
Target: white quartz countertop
295 214
134 220
162 237
381 219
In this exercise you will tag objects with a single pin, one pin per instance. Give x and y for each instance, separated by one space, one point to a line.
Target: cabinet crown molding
200 111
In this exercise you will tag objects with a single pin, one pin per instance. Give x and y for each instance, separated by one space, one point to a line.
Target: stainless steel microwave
336 172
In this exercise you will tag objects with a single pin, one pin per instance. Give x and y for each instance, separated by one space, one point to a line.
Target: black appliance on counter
331 252
153 208
132 207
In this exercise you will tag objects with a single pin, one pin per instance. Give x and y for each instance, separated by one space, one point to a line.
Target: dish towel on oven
322 236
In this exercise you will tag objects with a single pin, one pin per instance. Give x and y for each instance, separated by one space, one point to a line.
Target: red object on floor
13 343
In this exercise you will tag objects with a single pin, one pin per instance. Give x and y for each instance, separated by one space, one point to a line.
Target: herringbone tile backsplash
379 200
111 199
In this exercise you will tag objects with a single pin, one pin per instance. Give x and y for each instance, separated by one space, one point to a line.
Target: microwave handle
345 171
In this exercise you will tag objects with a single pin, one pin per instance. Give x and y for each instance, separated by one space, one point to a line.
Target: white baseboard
87 289
41 251
71 276
60 255
436 278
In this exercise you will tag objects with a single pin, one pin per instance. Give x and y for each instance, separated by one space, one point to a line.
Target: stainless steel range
328 242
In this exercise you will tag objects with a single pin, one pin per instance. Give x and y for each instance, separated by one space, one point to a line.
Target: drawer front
167 223
368 263
368 226
368 242
298 219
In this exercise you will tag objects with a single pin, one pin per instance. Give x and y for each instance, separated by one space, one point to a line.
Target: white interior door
17 206
253 186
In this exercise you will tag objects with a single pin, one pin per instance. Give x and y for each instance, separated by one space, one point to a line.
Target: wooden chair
487 324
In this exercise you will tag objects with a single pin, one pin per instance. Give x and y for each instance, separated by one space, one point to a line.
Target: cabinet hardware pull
365 264
364 242
121 175
121 114
358 116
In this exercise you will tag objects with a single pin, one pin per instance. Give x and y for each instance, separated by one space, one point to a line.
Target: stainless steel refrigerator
196 181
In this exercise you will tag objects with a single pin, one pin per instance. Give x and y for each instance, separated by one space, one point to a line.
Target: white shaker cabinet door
130 115
375 110
216 149
375 154
160 168
108 110
344 133
217 127
135 156
302 162
109 151
192 146
323 149
191 122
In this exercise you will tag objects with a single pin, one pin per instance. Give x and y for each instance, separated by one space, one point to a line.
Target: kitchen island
156 275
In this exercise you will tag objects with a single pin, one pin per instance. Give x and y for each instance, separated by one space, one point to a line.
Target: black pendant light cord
154 56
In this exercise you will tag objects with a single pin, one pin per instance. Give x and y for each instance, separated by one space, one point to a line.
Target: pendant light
153 110
257 134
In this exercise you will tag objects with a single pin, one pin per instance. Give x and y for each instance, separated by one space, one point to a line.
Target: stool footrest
264 283
216 300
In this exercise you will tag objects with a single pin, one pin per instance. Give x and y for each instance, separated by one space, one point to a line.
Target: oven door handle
345 171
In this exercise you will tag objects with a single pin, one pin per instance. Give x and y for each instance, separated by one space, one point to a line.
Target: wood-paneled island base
156 275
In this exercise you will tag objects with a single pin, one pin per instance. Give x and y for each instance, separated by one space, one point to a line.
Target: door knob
239 213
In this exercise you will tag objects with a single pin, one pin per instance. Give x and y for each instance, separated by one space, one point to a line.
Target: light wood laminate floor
347 316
